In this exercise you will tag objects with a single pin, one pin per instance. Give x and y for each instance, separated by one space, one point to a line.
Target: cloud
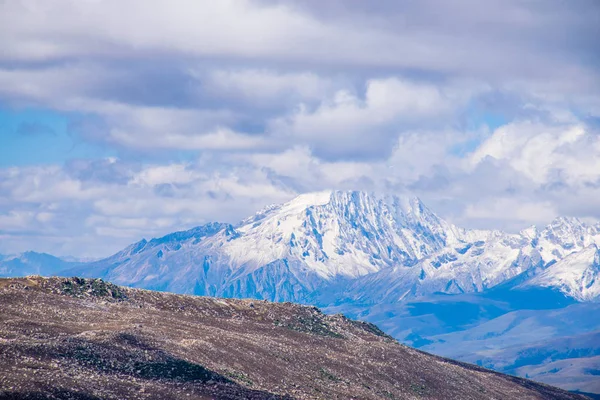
499 42
389 34
546 154
99 171
219 139
50 203
349 127
522 213
263 87
172 174
344 80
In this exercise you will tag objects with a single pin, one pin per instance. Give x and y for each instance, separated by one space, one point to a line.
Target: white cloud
46 184
521 213
544 153
219 139
264 86
347 126
422 36
16 220
174 173
50 203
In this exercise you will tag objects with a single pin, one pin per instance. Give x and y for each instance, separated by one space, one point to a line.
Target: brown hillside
87 339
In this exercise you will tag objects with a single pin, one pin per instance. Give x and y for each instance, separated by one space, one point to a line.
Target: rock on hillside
86 339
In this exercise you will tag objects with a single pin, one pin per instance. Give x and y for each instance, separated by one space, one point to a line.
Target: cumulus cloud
546 154
351 127
262 87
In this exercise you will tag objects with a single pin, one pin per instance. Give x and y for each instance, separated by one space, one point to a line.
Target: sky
123 119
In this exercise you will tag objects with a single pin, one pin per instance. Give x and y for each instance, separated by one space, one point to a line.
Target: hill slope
86 339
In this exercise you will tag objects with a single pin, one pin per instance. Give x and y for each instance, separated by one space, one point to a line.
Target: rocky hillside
72 338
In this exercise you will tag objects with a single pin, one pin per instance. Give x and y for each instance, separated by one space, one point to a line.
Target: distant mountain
32 263
576 275
492 259
526 342
72 338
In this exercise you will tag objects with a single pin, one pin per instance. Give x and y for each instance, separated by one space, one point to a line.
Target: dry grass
87 339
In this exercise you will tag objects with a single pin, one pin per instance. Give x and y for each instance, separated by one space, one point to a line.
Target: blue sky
120 121
33 136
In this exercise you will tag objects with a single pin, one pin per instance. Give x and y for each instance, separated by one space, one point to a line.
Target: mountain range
389 260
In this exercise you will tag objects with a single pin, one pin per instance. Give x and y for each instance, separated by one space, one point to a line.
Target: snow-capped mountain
337 246
565 236
470 266
577 275
285 252
32 263
487 260
346 234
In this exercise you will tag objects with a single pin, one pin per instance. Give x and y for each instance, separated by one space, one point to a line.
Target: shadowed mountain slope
87 339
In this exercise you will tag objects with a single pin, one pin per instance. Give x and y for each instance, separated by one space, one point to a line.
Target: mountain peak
312 199
531 232
407 204
576 275
565 222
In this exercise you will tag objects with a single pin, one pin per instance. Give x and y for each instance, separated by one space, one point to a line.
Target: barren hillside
87 339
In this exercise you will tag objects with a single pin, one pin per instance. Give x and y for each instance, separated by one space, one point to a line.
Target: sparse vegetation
418 389
87 339
240 377
80 287
327 375
310 322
